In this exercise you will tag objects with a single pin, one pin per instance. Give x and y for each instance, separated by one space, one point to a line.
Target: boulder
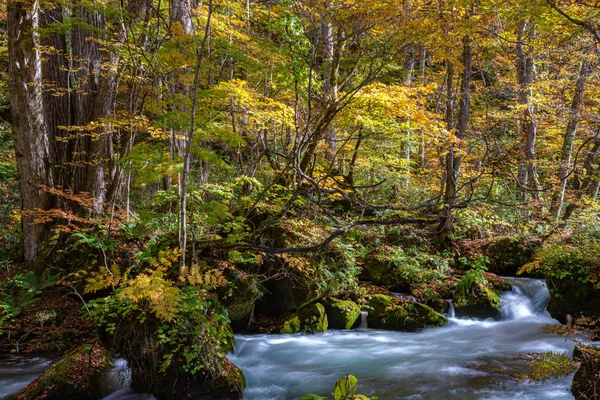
411 316
286 289
240 304
570 296
310 318
72 377
386 274
508 254
481 299
377 306
342 314
385 312
587 376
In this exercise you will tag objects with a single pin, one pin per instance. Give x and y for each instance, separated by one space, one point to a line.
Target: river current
467 359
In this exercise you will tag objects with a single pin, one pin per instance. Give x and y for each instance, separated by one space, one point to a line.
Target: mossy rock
570 296
241 302
521 252
376 307
72 377
411 316
386 312
285 293
229 384
481 300
384 274
342 314
587 375
310 318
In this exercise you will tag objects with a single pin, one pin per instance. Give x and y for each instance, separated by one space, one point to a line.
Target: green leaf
345 387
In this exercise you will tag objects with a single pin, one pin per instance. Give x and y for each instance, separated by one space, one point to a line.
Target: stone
72 377
310 318
342 314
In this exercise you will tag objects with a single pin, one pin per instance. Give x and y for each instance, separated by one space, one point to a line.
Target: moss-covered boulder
587 376
479 296
521 252
383 272
376 307
240 304
386 312
569 295
411 316
310 318
286 289
72 377
342 314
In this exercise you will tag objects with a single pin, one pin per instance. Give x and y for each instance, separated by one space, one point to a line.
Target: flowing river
467 359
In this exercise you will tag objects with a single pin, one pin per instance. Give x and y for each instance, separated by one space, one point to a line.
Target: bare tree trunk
200 48
454 156
329 74
567 147
29 126
527 175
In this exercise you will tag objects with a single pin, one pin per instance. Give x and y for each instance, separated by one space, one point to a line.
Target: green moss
482 298
71 377
291 325
310 318
411 316
377 305
231 380
342 314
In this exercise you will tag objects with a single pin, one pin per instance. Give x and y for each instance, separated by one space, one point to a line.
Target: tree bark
527 173
568 139
32 144
454 156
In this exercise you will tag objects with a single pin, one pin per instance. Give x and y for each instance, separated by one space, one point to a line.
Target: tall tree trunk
200 49
180 20
568 139
454 156
329 74
527 175
32 145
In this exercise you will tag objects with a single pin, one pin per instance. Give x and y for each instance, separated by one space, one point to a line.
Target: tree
32 144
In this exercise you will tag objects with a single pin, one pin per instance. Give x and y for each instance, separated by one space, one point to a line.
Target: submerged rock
342 314
310 318
400 315
72 377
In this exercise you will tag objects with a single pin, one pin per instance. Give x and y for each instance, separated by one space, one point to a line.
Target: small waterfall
527 299
451 313
363 319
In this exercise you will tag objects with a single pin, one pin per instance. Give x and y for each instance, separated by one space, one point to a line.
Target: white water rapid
467 359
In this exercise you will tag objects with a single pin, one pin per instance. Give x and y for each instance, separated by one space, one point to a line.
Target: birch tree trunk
567 146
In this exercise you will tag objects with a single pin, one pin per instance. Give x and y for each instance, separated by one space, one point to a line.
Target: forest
283 199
